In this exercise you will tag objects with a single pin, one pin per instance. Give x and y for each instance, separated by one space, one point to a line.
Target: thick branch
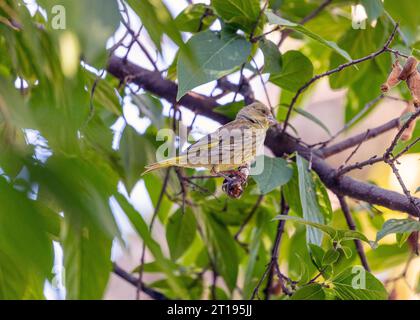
279 143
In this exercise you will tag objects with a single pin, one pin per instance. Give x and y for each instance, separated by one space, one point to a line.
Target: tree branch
134 281
279 143
335 70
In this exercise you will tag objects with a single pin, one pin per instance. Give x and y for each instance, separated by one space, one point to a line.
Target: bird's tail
161 164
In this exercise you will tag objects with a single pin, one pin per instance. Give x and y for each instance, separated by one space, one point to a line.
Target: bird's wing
213 139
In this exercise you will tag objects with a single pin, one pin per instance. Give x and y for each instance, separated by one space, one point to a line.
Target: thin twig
352 226
335 70
134 281
143 252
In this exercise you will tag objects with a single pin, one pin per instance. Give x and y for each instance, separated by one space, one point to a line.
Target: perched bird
234 145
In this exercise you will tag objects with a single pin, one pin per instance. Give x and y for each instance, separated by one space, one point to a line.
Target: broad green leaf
365 89
355 283
297 70
23 232
334 234
417 190
215 55
358 43
143 231
181 229
402 238
84 19
323 199
317 254
25 248
330 257
255 258
398 226
313 291
157 20
275 19
87 258
309 200
404 11
80 186
416 53
13 278
231 109
195 18
104 93
221 248
273 61
276 173
242 14
135 152
374 8
387 256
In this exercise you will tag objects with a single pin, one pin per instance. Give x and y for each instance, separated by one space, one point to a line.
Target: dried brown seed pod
413 83
234 185
409 67
408 133
392 80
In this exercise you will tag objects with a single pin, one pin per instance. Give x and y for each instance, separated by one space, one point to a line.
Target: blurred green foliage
59 188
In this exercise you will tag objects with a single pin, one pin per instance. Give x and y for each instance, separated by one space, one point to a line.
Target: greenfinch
232 146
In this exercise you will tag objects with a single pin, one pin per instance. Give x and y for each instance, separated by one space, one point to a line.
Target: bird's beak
271 120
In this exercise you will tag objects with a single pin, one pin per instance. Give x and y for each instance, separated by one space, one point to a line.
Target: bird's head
259 113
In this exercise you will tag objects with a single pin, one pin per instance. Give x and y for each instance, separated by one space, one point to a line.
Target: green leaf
416 53
404 11
276 173
374 8
221 248
355 283
215 55
231 109
297 70
347 251
313 291
25 248
334 234
180 232
387 256
275 19
398 226
195 18
143 231
273 61
417 190
135 153
255 258
309 201
157 19
85 18
330 257
358 43
87 258
317 254
242 14
402 238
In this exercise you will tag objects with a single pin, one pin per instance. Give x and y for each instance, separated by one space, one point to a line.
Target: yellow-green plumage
233 145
